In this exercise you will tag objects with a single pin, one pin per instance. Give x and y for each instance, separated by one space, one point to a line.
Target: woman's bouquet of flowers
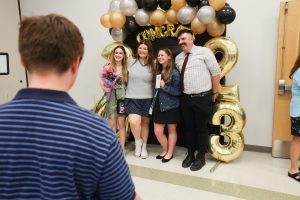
109 78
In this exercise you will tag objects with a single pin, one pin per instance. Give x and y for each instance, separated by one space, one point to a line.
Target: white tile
154 190
259 170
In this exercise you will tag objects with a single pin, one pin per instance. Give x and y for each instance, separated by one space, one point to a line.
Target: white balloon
186 14
119 35
206 14
128 7
142 17
114 5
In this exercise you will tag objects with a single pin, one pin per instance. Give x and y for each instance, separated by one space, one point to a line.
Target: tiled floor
252 176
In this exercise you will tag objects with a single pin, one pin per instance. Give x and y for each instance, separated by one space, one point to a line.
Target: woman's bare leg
172 139
122 131
161 137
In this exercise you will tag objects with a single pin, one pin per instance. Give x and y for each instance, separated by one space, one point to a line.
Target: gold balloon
217 4
117 19
229 50
229 93
215 28
197 26
177 4
231 150
158 17
100 109
234 111
108 48
172 16
232 131
104 20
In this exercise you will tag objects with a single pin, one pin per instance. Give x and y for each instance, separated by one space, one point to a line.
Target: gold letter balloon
228 106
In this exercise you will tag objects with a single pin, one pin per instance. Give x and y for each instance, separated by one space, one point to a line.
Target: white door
9 24
287 51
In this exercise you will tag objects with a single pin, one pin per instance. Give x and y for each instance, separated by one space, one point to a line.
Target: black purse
121 106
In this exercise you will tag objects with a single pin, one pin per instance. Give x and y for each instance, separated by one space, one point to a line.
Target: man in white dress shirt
200 77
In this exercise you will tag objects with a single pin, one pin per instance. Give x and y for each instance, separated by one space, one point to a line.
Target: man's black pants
196 112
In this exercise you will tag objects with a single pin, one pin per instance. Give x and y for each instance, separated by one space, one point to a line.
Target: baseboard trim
258 148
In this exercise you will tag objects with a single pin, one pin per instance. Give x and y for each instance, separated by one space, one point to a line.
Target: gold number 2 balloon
228 105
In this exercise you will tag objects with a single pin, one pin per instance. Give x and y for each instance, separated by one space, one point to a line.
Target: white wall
86 15
254 30
16 79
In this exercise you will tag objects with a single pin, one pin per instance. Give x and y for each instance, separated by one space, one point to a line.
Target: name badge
157 82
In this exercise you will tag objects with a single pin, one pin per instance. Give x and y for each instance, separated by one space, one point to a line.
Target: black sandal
295 176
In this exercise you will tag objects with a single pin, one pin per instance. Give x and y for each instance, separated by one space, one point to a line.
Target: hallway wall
254 30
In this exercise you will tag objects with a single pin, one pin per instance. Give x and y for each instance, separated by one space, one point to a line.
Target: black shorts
295 126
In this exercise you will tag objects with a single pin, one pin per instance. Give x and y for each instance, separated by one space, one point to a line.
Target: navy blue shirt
50 148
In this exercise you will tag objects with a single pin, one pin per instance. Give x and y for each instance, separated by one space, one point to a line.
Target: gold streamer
100 109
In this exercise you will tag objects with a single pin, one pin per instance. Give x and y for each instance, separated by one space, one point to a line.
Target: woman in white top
139 96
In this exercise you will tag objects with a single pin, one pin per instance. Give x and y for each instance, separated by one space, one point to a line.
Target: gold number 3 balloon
228 105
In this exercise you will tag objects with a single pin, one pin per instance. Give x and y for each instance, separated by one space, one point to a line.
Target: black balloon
149 5
193 3
164 4
131 26
139 3
203 3
226 15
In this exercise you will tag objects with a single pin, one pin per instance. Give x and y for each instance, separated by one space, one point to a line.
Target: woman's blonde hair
124 63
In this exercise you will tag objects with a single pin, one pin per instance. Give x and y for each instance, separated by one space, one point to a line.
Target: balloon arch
129 21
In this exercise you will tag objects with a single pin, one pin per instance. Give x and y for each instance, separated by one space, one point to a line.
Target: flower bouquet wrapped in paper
109 79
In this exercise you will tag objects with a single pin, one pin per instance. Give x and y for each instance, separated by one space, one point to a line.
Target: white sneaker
144 153
138 147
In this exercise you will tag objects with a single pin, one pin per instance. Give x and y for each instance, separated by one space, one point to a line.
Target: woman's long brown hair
169 68
124 63
296 66
149 60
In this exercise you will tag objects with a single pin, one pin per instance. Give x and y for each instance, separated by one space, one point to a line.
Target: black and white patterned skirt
138 106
